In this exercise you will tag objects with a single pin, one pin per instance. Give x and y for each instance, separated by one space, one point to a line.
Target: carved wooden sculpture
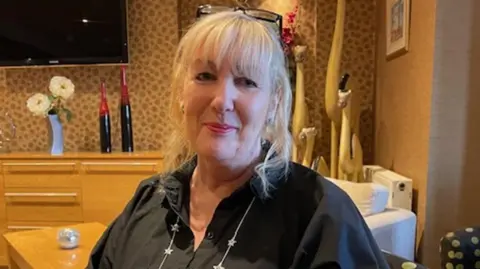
344 162
300 113
357 151
351 153
322 167
308 135
332 78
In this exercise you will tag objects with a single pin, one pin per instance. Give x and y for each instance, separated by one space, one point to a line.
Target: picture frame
397 27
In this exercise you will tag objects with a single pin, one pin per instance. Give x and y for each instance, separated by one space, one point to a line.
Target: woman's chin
220 150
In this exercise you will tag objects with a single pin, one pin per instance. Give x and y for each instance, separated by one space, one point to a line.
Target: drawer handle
118 163
119 167
40 194
39 167
39 164
26 227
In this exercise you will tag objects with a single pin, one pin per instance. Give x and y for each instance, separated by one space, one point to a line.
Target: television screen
62 32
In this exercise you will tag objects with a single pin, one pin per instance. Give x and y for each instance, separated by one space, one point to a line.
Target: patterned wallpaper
152 37
153 34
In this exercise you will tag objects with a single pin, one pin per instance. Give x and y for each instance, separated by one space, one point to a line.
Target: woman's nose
225 95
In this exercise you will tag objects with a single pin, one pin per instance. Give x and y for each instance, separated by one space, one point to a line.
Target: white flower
39 104
61 87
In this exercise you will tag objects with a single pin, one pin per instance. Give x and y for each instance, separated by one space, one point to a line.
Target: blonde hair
253 47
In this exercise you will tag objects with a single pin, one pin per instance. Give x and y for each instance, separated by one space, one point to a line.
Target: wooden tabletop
38 249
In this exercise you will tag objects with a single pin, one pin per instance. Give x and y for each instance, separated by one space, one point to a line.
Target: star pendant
168 251
231 242
175 227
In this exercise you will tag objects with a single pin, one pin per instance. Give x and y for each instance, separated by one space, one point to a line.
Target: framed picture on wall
398 26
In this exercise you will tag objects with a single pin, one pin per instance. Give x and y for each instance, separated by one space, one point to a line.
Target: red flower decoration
291 17
287 36
288 32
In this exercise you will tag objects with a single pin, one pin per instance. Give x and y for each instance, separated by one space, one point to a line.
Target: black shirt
307 222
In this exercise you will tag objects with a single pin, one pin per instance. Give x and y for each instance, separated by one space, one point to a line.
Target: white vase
55 135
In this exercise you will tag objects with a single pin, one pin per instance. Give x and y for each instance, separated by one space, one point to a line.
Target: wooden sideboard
38 190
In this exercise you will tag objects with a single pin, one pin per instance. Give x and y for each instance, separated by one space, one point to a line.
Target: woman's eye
204 76
247 82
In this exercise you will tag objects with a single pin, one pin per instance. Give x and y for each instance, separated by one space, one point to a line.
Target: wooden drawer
31 212
99 178
147 168
40 174
43 205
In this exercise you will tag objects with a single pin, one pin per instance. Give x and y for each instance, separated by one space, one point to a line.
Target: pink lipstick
219 128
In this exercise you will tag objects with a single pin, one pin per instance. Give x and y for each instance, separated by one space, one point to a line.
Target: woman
231 198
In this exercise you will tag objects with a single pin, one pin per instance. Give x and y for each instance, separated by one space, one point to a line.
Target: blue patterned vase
56 135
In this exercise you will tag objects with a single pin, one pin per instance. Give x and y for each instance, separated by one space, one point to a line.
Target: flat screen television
63 32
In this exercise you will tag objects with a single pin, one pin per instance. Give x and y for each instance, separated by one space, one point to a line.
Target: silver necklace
231 243
168 251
